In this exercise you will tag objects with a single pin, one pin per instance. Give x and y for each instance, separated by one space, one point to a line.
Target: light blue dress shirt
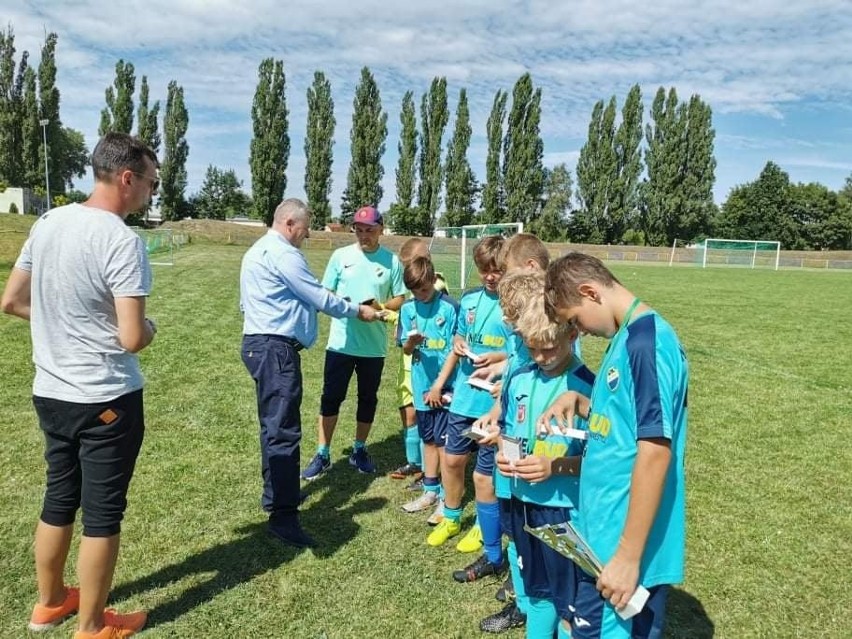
280 296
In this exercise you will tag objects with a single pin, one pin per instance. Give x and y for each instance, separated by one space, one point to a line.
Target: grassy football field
769 464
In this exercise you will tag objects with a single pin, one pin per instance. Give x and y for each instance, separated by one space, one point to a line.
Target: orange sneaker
46 617
116 626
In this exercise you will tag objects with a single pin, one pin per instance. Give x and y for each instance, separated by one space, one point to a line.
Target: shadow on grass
335 498
329 518
251 553
686 617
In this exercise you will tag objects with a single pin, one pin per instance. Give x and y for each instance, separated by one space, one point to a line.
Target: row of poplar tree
29 97
674 200
635 184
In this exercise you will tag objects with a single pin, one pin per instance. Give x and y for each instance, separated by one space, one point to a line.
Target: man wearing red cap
365 273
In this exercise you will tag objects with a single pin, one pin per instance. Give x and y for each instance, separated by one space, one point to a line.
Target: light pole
44 124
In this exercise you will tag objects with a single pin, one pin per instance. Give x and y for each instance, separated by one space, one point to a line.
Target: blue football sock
360 445
324 450
431 485
542 619
488 516
521 598
412 446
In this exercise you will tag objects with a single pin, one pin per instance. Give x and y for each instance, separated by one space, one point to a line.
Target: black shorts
91 451
336 375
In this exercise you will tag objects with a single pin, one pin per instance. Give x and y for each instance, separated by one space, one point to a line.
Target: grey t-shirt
81 259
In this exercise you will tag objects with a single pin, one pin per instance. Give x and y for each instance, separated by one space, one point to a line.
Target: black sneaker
407 471
508 618
506 592
288 530
479 569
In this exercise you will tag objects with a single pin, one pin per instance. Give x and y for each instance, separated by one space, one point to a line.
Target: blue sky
776 72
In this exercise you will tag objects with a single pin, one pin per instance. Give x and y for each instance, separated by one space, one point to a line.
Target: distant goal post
467 237
161 244
744 253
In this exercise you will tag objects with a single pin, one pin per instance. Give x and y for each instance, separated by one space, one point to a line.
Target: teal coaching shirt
640 392
436 320
361 276
527 393
481 325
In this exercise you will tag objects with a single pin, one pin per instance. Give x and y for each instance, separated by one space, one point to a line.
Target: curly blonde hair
537 328
517 289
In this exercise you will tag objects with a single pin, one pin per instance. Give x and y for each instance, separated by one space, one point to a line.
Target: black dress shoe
289 531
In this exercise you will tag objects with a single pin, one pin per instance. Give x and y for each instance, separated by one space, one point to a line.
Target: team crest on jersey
521 413
612 379
471 315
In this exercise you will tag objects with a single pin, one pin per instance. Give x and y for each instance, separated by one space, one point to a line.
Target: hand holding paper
559 416
473 357
565 540
480 384
618 580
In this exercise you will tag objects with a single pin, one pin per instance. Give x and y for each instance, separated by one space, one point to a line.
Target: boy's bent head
485 255
551 345
566 275
413 247
516 290
523 251
419 278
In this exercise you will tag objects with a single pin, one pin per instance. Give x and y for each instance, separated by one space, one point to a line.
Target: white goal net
743 253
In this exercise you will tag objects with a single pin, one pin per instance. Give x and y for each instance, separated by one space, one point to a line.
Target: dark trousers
276 368
91 451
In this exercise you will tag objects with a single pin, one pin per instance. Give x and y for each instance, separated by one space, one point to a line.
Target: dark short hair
486 251
521 248
564 277
418 272
118 151
411 246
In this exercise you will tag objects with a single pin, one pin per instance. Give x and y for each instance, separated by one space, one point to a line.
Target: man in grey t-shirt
82 280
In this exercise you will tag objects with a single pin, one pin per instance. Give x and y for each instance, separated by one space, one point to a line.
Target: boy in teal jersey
632 502
412 468
427 323
364 272
542 486
480 340
520 254
516 290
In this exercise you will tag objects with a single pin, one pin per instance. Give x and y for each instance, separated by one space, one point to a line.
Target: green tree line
635 182
36 150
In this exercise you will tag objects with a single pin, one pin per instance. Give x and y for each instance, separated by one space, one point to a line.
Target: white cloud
756 58
818 163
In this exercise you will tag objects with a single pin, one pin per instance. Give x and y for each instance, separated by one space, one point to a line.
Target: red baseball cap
368 215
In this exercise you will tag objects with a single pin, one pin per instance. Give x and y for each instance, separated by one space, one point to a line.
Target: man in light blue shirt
279 298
